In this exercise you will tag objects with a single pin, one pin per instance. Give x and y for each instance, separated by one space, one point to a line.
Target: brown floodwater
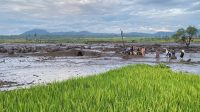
41 67
33 70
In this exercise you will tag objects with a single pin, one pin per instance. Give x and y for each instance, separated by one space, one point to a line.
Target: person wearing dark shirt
173 54
182 54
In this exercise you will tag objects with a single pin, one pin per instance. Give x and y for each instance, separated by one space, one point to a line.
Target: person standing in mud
168 53
182 54
157 53
138 51
152 50
132 50
173 54
143 51
127 51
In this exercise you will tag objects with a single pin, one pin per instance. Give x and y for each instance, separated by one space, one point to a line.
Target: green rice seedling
132 88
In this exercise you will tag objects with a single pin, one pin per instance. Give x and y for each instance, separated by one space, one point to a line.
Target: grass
140 88
92 40
83 40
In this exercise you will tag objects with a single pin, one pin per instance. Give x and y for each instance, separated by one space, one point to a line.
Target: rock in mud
189 60
87 47
80 53
3 50
38 48
53 49
11 52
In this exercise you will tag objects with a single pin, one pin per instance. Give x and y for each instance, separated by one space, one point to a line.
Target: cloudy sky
17 16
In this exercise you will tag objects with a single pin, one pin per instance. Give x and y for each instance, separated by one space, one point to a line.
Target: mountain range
91 34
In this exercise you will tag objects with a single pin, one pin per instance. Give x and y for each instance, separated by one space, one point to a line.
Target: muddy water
26 71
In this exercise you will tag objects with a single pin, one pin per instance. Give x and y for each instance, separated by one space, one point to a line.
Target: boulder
11 52
3 50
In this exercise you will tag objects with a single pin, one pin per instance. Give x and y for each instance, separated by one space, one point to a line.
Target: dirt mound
71 52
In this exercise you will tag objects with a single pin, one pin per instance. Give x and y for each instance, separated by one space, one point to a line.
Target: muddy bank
100 49
30 64
6 83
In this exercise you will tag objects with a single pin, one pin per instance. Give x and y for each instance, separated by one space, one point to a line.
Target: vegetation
63 39
46 39
133 88
93 40
186 35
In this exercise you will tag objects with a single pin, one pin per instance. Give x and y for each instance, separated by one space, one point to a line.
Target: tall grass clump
140 88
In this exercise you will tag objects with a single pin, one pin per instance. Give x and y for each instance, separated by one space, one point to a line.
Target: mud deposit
50 63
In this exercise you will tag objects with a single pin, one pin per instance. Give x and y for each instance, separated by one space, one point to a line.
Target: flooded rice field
27 70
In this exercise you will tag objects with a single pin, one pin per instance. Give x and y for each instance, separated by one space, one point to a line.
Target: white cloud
97 15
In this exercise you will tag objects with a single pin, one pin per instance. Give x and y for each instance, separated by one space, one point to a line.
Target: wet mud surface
46 63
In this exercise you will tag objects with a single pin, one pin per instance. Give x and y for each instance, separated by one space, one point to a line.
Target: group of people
137 51
171 54
140 51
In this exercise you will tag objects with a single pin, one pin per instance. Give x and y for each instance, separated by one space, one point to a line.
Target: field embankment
132 88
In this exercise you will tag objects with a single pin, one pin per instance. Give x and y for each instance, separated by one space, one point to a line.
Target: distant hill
36 31
162 34
138 34
84 33
91 34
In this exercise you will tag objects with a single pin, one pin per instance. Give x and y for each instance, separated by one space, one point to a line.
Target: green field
84 40
46 39
63 39
142 88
